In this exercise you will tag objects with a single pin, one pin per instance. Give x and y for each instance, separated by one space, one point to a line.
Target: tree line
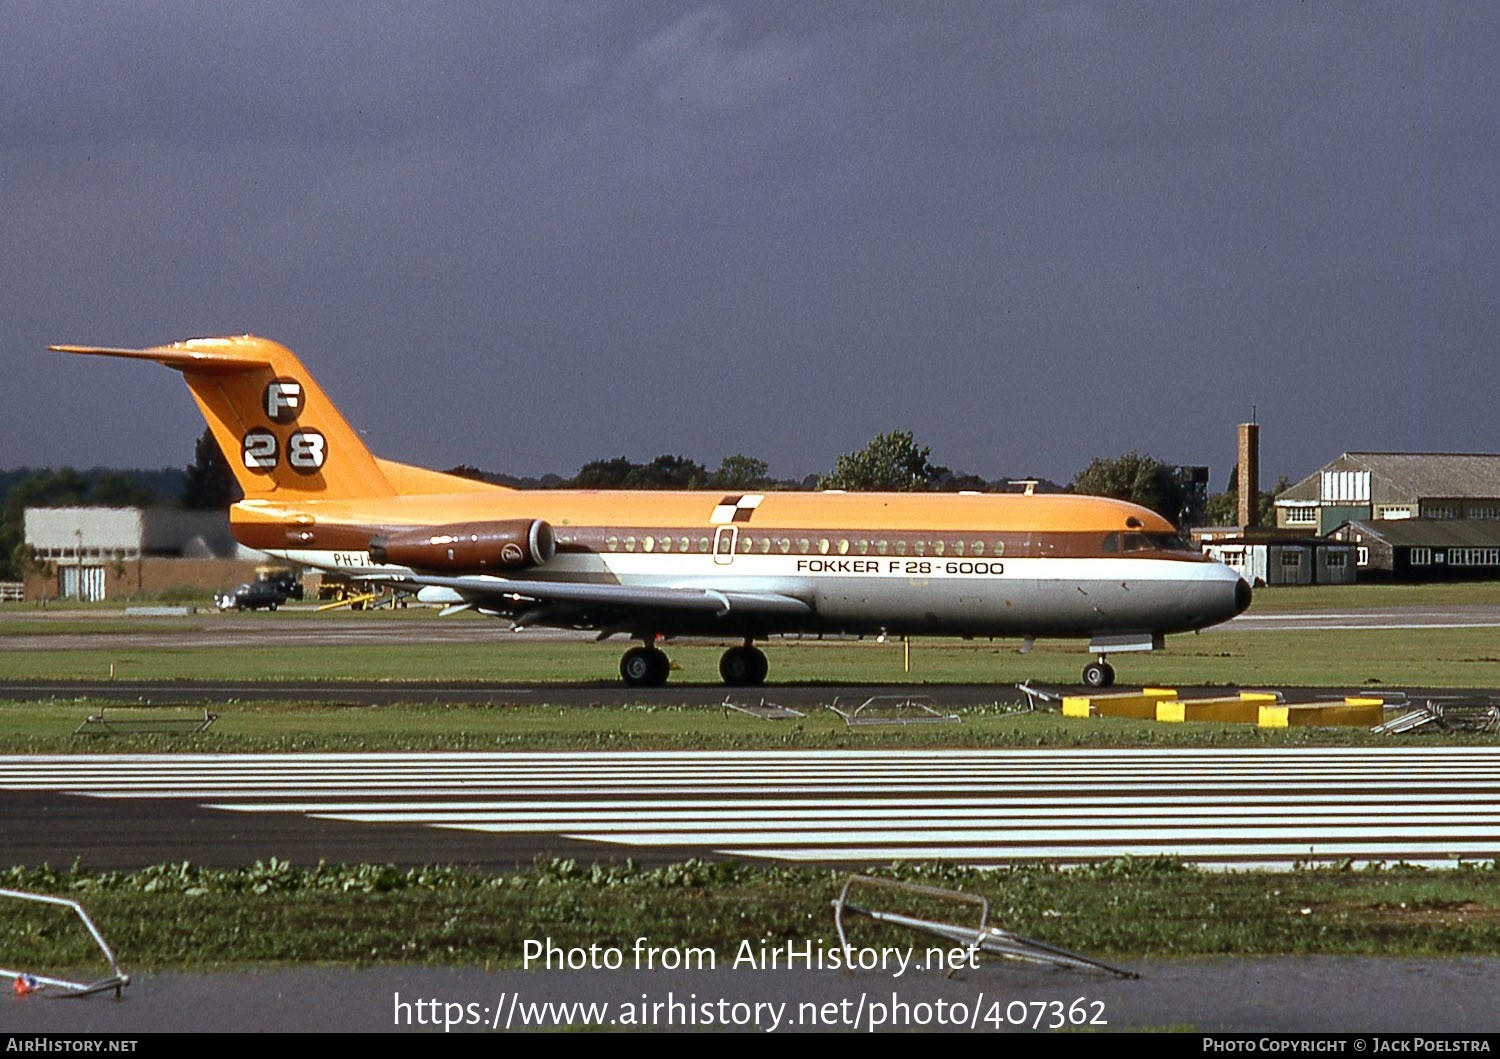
891 462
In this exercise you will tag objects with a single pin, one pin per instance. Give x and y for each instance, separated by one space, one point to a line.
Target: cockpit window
1169 542
1145 542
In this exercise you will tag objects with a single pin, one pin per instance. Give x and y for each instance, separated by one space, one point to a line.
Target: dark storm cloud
528 236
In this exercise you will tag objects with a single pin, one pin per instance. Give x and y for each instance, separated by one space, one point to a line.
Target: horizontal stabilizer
200 356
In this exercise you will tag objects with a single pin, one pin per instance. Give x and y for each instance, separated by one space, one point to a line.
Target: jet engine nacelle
513 544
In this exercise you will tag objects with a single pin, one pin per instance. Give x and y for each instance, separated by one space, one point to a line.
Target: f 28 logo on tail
282 400
306 451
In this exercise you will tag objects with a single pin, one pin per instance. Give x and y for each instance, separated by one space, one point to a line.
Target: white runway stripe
983 807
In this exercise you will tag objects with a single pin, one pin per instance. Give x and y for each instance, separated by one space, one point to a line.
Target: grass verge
189 918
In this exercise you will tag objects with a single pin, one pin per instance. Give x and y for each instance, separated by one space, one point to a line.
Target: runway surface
1213 807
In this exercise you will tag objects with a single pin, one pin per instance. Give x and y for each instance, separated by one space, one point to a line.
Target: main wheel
1099 674
743 667
644 667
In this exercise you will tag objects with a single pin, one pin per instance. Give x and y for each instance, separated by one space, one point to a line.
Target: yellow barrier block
1363 700
1259 696
1227 710
1077 706
1322 715
1141 707
1117 704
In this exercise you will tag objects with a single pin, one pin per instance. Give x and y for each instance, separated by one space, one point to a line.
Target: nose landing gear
1099 674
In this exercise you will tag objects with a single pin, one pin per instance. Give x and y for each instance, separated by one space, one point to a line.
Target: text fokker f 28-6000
654 565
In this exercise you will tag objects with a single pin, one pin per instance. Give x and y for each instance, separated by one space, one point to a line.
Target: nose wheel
743 667
645 667
1099 674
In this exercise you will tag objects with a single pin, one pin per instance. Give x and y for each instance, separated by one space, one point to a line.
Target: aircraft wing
511 594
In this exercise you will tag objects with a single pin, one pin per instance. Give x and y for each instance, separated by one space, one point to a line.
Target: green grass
1290 599
283 727
1239 657
183 917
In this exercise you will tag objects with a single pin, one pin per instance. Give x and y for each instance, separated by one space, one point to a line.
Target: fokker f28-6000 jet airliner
655 565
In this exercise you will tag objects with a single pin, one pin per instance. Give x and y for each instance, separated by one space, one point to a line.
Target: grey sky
529 235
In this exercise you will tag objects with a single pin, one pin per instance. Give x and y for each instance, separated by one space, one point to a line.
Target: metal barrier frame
983 938
117 979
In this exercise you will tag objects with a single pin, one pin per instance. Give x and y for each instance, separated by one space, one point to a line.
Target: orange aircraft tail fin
280 433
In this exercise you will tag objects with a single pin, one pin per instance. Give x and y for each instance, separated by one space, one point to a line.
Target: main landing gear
1099 674
743 667
647 667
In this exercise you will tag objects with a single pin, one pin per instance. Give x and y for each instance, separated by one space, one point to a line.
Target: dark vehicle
282 576
253 595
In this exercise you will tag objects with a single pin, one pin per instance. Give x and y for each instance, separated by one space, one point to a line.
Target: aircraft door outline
725 538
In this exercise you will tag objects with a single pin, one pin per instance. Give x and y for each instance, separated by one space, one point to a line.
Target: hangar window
1337 560
1291 560
1421 556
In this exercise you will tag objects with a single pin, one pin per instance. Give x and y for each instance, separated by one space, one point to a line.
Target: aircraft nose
1242 595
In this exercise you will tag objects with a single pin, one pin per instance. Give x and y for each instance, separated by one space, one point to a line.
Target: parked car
253 595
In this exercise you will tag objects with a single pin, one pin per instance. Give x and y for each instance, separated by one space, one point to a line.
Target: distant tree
207 483
891 462
603 474
1137 478
467 470
668 472
664 472
946 481
741 472
111 489
1223 509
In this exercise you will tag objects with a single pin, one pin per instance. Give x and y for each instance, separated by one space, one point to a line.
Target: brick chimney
1249 473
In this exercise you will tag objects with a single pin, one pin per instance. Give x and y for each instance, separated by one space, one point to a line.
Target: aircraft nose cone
1242 596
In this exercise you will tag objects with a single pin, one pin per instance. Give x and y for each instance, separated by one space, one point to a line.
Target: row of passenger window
749 544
